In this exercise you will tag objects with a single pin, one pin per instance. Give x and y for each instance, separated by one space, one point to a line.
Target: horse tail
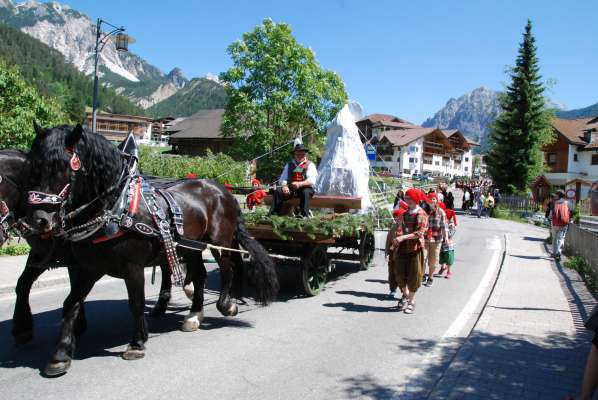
266 280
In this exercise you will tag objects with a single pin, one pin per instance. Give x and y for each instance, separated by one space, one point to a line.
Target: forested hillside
48 71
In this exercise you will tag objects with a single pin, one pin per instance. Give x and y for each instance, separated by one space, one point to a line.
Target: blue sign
370 150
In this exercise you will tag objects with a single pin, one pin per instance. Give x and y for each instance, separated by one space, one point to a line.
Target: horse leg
135 283
22 320
81 321
165 288
83 282
196 271
225 304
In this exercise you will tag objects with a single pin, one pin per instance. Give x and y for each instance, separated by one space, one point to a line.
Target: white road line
476 297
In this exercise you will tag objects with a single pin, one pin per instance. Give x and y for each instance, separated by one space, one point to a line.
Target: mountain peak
177 78
472 113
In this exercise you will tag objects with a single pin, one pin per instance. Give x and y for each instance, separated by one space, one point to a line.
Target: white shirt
311 174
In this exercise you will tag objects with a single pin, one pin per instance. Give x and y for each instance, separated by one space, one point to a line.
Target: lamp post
122 44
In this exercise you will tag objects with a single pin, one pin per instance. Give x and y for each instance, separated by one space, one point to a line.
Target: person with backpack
560 215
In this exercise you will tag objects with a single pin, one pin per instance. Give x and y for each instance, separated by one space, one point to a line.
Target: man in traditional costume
297 180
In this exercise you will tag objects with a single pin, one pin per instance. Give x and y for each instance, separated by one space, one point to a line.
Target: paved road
348 342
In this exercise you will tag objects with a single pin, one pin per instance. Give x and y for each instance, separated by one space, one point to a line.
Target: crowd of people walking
420 241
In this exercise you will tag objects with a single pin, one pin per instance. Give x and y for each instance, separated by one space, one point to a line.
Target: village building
161 128
572 159
404 149
199 133
116 127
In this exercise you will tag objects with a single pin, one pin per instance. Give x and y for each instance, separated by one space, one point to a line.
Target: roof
406 136
573 129
471 141
449 132
394 124
385 119
204 124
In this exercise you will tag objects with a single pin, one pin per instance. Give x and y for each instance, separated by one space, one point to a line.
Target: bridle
7 222
63 198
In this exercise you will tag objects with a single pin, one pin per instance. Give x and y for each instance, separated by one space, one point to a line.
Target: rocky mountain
471 113
73 34
590 111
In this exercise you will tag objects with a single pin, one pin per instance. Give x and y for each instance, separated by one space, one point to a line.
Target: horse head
12 167
69 167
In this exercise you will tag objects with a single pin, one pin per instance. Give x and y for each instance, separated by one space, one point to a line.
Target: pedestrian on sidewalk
559 214
466 199
489 205
436 235
408 248
480 204
590 376
397 215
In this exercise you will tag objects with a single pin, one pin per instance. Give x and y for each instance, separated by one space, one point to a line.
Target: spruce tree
518 134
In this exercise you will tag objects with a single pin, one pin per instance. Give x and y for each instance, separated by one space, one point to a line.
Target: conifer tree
523 127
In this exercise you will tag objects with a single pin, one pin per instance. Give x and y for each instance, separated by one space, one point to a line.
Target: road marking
476 297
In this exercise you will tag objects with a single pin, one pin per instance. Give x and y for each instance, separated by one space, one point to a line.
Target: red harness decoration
134 206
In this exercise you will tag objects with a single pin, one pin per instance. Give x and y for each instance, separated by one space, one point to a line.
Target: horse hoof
192 322
189 290
55 369
233 310
23 338
158 310
133 354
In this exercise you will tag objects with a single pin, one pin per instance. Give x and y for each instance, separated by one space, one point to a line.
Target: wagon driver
297 180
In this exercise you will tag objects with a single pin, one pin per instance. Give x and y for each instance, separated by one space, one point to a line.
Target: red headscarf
432 195
256 181
416 195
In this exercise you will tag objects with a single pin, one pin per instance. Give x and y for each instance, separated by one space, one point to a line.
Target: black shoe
425 280
557 257
430 282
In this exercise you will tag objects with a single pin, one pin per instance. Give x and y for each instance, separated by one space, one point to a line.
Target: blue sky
405 58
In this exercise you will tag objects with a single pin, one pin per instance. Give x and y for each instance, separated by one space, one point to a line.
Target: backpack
560 214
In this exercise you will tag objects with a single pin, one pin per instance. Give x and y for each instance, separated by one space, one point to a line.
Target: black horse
210 214
46 252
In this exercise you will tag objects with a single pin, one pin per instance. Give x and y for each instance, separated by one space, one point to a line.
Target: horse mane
100 159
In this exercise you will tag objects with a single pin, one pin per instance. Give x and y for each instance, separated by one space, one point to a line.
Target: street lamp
122 44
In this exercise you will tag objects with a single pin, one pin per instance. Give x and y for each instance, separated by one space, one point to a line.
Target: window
412 160
466 159
437 163
575 157
594 159
413 149
466 169
551 158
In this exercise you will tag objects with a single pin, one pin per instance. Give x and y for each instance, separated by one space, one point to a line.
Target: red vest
298 173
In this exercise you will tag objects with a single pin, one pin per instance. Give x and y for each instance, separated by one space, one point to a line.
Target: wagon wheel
367 246
315 268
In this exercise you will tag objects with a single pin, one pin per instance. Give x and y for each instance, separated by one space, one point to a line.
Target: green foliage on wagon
219 167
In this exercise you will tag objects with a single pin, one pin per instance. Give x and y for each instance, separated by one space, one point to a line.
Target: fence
519 203
584 243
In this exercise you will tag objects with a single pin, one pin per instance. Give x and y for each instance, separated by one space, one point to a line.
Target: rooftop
204 124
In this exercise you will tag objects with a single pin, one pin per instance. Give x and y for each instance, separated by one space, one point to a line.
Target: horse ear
41 132
74 136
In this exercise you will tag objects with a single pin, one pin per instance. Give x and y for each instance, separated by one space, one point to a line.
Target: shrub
219 167
584 269
14 250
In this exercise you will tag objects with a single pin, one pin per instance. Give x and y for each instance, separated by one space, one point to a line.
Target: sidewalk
11 268
529 342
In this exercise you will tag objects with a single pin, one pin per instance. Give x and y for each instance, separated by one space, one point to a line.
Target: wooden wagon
313 252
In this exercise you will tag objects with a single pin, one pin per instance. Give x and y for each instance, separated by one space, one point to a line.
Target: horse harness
126 214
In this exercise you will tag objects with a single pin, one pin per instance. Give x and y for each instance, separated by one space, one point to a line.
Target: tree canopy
523 127
20 105
277 90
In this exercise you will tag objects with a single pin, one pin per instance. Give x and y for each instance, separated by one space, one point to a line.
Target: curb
39 284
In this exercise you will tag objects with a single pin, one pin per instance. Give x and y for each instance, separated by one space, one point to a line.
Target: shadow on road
347 306
109 329
487 365
377 296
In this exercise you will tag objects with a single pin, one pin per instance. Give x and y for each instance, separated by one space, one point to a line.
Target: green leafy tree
277 90
518 134
20 105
